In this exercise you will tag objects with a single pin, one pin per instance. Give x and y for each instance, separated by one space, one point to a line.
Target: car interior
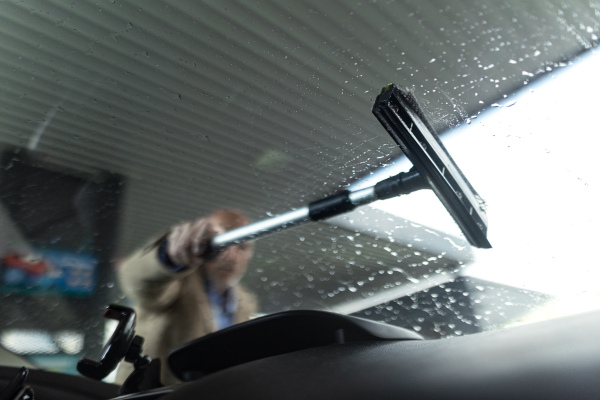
421 178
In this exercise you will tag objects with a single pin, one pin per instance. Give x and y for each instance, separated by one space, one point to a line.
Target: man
182 292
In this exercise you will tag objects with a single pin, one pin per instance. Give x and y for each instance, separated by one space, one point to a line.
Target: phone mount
123 344
17 389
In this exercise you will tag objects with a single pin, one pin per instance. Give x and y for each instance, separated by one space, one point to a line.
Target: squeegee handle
340 203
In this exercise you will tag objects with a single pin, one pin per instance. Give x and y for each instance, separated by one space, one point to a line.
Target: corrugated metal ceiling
260 105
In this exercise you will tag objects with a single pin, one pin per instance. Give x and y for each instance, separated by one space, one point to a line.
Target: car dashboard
551 359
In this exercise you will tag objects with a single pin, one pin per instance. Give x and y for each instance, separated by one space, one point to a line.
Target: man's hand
187 243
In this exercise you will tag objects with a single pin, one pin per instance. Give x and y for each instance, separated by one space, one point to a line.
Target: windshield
121 119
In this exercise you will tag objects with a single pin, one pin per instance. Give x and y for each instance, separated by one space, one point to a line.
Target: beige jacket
172 308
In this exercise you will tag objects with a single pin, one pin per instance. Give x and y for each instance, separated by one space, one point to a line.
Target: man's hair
229 218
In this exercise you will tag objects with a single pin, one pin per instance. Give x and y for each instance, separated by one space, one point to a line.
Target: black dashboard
552 359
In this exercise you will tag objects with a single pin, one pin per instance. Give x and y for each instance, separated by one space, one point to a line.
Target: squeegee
433 168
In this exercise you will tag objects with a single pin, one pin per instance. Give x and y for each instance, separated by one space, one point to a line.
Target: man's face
229 266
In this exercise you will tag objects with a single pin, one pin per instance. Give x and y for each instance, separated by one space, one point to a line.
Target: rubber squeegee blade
400 114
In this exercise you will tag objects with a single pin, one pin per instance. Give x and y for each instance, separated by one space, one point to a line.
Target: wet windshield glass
120 119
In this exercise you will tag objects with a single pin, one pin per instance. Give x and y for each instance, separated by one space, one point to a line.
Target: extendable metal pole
345 201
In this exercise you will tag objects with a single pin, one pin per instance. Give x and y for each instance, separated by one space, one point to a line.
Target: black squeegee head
400 114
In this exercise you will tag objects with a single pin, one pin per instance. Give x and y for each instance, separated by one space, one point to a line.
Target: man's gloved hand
188 243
